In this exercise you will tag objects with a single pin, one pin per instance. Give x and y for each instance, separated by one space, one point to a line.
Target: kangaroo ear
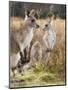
27 12
32 12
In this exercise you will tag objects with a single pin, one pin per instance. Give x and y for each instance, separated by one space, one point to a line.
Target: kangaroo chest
50 38
51 35
27 39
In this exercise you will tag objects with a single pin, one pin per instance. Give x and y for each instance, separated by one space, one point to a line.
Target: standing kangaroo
20 39
50 38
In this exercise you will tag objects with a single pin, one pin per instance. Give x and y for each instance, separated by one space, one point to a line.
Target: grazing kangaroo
50 38
20 39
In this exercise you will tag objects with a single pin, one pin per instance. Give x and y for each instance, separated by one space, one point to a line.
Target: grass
38 76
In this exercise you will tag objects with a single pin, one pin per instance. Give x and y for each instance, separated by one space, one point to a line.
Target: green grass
38 76
41 75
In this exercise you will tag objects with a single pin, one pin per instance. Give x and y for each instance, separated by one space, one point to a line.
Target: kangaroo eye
32 20
46 25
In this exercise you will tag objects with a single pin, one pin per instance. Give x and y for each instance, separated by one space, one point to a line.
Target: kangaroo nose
37 26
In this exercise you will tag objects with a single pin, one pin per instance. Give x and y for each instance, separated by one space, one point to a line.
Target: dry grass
54 73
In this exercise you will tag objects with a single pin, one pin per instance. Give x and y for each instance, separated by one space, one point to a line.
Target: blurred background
42 10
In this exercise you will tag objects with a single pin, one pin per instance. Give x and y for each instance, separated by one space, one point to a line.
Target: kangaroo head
30 19
48 24
46 27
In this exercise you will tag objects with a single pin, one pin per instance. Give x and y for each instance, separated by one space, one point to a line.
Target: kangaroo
20 39
50 38
36 51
